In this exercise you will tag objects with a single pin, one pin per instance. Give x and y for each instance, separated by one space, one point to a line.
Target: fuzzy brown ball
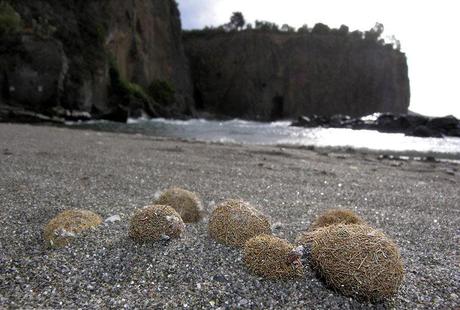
67 224
357 261
154 223
234 222
336 216
186 203
271 257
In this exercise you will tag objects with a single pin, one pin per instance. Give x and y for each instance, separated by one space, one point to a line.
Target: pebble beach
45 170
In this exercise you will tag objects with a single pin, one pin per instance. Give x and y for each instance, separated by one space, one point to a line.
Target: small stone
219 278
243 302
112 219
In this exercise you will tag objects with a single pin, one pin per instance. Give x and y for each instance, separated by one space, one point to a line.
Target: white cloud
427 30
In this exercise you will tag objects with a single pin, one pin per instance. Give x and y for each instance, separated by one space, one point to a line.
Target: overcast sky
428 31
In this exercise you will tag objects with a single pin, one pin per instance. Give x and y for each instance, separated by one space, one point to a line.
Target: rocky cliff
271 75
100 57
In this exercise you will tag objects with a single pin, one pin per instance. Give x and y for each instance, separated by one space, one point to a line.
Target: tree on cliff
303 29
266 26
321 29
287 28
10 21
375 33
237 20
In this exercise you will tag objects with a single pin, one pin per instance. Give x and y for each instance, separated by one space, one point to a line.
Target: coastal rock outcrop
96 57
409 124
267 75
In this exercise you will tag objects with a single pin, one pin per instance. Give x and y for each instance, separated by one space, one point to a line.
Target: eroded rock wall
266 75
61 59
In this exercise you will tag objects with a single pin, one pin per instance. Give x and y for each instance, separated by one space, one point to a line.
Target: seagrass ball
336 216
185 202
357 261
67 225
234 222
155 223
272 257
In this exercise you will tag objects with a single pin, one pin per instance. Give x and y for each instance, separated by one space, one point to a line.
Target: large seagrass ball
156 222
186 203
357 261
234 222
336 216
67 225
272 257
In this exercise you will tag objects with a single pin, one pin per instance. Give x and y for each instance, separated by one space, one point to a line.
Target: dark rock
20 115
411 125
424 131
118 114
412 121
339 120
304 121
219 278
33 71
391 123
284 75
430 159
454 132
443 123
66 65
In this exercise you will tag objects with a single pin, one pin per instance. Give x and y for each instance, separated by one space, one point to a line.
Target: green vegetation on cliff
10 21
237 23
123 88
162 92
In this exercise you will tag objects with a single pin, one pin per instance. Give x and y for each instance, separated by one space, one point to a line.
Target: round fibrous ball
186 203
272 257
155 223
357 261
234 222
67 225
336 216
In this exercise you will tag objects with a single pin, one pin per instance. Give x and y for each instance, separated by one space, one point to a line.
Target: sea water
280 133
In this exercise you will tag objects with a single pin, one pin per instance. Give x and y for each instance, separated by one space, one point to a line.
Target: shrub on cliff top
321 29
234 222
10 21
357 261
237 20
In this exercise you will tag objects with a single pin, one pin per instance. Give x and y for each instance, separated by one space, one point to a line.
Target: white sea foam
281 133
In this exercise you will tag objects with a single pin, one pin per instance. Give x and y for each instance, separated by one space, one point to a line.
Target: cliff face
67 54
263 75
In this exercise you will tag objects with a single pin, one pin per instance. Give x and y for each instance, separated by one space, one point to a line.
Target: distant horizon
433 63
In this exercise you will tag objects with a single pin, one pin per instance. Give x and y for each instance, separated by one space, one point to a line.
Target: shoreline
404 154
45 170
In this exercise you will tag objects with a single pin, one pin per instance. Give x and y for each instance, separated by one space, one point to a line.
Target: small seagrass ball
336 216
272 257
156 222
67 225
234 222
357 261
186 203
